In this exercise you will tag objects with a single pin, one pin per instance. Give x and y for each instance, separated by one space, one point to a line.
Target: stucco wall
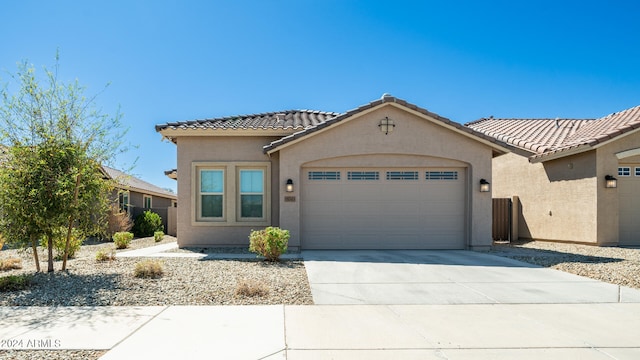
361 139
557 198
608 198
219 149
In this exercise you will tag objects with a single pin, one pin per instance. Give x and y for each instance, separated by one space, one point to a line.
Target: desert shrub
158 236
147 223
105 254
270 242
148 269
122 239
15 282
1 242
117 221
251 288
60 241
10 264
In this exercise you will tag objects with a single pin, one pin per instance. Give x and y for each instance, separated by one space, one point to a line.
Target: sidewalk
549 331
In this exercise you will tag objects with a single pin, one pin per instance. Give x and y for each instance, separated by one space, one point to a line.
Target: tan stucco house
134 196
577 180
385 175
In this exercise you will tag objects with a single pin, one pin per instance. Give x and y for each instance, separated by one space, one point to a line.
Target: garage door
629 205
354 208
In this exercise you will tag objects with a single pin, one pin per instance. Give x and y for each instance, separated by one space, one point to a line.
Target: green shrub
270 242
15 282
147 223
122 239
60 241
158 236
106 254
10 264
148 269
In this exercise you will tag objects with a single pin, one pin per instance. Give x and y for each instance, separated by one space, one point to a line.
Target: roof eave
176 133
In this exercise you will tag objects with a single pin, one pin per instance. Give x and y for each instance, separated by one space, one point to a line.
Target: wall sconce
610 182
289 187
386 125
485 186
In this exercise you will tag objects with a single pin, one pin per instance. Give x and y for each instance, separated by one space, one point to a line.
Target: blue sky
182 60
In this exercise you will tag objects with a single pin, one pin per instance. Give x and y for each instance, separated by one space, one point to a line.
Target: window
402 175
211 193
146 201
233 193
441 175
123 201
252 194
324 175
637 171
174 203
363 175
624 171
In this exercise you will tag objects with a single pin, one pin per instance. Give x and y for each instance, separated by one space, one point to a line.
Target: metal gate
501 219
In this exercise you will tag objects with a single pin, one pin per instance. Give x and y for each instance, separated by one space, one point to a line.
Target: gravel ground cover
186 281
620 266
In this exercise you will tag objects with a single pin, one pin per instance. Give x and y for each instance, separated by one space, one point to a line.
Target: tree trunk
50 252
34 246
75 203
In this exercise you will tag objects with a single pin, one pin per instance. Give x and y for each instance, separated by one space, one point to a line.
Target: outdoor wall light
485 186
289 187
386 125
610 182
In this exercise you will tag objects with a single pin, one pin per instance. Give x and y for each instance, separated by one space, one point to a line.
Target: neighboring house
385 175
135 196
564 173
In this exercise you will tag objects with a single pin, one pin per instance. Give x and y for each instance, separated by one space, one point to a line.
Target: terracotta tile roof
386 98
135 184
289 119
544 137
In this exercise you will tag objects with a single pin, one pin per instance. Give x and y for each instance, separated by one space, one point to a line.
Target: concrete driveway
441 277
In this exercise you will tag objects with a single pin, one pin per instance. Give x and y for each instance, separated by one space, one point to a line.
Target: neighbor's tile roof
544 137
386 98
289 119
136 184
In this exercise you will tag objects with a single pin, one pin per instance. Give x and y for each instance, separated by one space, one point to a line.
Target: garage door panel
383 213
629 209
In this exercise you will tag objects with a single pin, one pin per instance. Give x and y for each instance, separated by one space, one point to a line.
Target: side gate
502 219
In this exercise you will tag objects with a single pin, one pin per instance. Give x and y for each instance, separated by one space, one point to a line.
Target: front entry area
383 208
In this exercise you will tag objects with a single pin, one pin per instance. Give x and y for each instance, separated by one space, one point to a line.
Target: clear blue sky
182 60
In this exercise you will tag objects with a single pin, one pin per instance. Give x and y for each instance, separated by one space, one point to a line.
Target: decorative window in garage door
624 171
363 175
324 175
441 175
402 175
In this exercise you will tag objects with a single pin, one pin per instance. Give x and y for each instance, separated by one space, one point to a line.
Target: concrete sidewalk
165 251
481 331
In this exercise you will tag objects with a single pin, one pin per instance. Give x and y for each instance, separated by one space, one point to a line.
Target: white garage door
629 205
354 208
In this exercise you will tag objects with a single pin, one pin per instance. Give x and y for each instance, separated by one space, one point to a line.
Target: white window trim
144 201
231 196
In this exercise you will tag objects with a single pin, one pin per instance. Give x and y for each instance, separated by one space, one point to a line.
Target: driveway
442 277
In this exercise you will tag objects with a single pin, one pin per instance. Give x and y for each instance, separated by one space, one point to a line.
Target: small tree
52 177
